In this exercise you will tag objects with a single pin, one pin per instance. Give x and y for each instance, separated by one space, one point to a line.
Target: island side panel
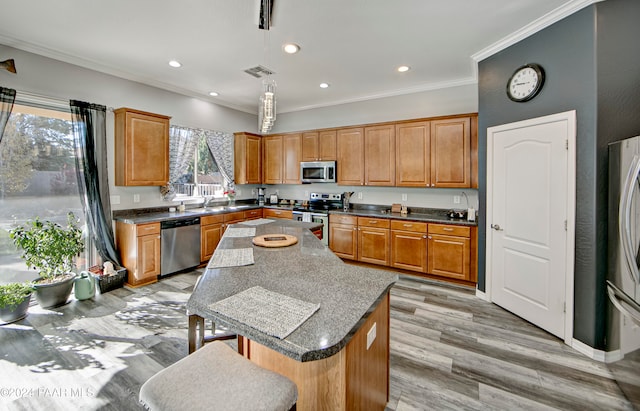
354 378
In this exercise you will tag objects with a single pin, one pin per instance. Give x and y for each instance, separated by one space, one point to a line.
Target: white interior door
528 219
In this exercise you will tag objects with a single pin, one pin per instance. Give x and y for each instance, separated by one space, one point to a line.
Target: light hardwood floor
449 351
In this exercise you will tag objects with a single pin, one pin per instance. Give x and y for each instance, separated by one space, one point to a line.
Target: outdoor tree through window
37 179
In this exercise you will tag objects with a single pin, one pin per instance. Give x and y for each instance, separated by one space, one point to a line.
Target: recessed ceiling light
324 85
291 48
402 69
175 63
213 94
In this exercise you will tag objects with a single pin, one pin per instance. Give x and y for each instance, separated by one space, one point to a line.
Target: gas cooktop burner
321 202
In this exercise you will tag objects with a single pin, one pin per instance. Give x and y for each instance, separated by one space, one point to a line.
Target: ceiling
354 45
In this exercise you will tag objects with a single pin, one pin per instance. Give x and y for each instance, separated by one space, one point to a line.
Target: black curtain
89 130
7 97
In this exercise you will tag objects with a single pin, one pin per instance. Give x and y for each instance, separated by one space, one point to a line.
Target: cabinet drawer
211 219
456 230
373 222
253 213
234 217
411 226
270 212
342 219
147 229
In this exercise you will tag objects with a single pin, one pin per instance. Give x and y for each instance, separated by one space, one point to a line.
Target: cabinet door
148 257
272 170
343 240
448 256
292 146
350 163
327 145
142 148
380 156
451 153
409 251
310 146
413 154
209 239
247 158
373 245
275 213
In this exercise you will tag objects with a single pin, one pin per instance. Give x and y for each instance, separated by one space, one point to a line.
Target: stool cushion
216 377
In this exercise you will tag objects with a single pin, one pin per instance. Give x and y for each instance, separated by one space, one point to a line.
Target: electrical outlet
306 193
253 191
404 197
371 335
115 199
456 199
136 198
238 192
359 195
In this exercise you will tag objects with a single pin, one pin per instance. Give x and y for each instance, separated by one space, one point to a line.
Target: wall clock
525 83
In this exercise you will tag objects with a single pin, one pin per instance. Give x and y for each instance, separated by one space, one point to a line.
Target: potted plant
50 248
14 301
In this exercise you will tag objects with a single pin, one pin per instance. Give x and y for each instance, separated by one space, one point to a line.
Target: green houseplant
14 301
50 248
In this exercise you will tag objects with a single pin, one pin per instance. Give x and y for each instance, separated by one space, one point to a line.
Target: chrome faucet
207 200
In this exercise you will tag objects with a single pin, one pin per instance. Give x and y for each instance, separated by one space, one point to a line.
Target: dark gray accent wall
582 56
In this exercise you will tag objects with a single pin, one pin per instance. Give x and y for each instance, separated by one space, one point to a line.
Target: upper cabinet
379 155
141 148
350 162
282 156
451 152
247 158
319 145
413 154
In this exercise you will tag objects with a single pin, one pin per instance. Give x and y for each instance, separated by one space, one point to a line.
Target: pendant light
267 106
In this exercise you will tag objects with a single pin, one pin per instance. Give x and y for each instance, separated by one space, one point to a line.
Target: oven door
323 235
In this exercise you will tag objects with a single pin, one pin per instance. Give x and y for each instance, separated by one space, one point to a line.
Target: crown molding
535 26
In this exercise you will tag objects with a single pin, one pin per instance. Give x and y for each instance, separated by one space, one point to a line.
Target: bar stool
215 377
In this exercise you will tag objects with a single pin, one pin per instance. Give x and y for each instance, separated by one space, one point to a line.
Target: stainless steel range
318 211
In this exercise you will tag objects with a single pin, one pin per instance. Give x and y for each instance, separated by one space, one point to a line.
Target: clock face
525 83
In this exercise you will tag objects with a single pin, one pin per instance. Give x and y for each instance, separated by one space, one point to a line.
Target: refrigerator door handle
624 219
623 303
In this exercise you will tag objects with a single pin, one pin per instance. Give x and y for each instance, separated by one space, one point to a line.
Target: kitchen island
339 357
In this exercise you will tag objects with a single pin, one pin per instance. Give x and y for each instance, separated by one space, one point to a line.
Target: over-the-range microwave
317 172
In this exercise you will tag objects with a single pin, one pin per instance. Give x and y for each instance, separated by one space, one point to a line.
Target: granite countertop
425 215
137 217
307 271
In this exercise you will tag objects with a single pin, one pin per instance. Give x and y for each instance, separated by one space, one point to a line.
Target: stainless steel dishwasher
180 245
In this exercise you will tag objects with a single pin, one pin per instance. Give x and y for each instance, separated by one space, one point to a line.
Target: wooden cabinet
253 214
350 163
141 148
247 158
409 245
210 234
449 251
343 236
282 156
413 154
451 152
379 155
139 247
319 145
275 213
373 240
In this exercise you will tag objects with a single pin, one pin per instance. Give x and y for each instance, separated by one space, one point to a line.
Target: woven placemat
258 221
232 257
240 232
267 311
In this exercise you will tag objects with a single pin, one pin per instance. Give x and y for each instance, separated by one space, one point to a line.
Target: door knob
496 227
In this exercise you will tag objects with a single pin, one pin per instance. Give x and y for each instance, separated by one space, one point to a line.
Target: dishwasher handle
179 223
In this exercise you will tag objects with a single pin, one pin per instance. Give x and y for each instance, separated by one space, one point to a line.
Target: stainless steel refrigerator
623 274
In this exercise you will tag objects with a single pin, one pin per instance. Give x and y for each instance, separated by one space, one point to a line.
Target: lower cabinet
409 245
210 234
449 252
139 246
275 213
373 240
444 250
253 214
